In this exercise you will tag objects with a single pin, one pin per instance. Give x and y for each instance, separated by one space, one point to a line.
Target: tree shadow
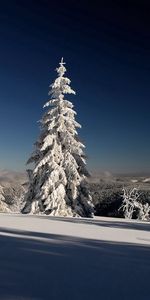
47 266
133 224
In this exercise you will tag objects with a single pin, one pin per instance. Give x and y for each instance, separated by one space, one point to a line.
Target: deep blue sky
107 50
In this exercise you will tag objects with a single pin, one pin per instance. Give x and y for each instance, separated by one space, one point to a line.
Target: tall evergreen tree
57 182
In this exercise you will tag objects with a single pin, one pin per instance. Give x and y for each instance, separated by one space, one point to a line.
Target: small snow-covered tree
130 202
144 211
3 205
57 182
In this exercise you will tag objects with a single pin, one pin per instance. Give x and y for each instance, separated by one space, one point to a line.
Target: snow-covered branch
131 202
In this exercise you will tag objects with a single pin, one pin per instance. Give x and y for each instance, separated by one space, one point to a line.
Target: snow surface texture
55 258
57 182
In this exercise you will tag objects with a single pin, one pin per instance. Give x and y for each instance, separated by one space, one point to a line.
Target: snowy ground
73 259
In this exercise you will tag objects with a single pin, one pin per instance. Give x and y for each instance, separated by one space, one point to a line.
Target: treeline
108 199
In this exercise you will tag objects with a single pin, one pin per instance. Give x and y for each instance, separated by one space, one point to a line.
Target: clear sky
106 47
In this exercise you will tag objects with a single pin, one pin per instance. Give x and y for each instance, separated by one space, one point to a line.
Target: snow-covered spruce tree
57 182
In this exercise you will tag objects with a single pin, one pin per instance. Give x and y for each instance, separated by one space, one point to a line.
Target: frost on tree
57 182
131 203
3 205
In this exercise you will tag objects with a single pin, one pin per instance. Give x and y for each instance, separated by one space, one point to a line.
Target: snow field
46 257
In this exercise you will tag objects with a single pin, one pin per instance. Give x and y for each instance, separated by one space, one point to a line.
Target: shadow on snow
48 266
133 224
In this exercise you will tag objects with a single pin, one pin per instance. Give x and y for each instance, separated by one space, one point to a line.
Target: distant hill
8 176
